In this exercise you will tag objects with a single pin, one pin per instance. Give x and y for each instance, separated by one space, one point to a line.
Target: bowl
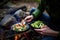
37 24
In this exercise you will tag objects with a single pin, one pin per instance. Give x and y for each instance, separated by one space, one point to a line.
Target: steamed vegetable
37 24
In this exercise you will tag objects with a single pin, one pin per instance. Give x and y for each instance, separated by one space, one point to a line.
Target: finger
42 33
29 20
40 30
28 17
44 26
20 24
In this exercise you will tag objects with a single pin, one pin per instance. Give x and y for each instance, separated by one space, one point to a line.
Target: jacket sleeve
39 9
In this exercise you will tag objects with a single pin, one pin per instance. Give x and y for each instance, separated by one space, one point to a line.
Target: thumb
39 30
44 26
28 17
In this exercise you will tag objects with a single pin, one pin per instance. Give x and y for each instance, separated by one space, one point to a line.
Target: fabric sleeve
39 9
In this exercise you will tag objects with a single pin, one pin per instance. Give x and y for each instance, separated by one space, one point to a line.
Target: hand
47 31
29 18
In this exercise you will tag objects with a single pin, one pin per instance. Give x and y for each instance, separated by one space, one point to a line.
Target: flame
17 36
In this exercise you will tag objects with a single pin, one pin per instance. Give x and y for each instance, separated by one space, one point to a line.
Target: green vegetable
22 28
37 24
32 25
16 29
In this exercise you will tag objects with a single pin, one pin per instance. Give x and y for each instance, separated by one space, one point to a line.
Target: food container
18 28
37 24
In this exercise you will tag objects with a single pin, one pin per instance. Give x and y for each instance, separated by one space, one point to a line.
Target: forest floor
29 5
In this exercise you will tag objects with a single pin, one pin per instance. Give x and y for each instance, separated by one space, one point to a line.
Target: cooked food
19 27
37 24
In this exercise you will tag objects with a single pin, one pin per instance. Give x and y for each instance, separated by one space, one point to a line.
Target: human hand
47 31
29 18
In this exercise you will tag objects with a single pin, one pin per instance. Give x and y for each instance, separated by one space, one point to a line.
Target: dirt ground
29 5
19 4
